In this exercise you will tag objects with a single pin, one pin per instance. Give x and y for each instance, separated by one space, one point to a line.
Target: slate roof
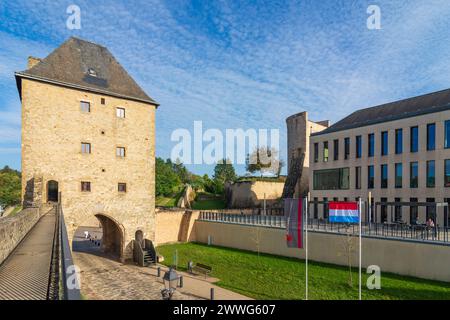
87 66
428 103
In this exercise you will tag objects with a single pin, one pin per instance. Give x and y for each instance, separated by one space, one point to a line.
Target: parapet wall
14 229
250 194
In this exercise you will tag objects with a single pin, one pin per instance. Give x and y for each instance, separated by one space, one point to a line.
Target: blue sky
238 64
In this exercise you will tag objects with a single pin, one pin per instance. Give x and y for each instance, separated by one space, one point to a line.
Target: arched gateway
113 236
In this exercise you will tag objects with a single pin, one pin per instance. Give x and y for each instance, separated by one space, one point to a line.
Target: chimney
32 61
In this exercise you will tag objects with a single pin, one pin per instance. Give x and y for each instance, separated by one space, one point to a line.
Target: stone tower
88 132
299 128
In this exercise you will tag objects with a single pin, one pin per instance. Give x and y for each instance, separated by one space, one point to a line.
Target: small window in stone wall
85 106
122 187
85 186
120 112
85 147
120 152
102 100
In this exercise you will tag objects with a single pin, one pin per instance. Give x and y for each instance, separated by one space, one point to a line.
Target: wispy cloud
250 65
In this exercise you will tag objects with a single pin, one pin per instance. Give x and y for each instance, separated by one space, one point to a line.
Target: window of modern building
370 177
358 146
346 148
431 210
316 208
357 177
85 106
398 210
85 186
398 141
372 209
85 147
414 175
316 152
371 145
413 211
398 175
431 136
384 143
331 179
326 208
414 139
447 173
384 176
120 152
384 210
325 151
120 112
122 187
336 149
431 174
447 134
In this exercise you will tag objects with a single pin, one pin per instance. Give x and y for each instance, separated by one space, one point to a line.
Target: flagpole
306 246
360 242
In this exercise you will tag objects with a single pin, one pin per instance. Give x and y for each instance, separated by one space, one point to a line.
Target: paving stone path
103 278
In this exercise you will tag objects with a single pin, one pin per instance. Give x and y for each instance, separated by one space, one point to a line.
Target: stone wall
249 194
428 261
174 225
53 128
14 229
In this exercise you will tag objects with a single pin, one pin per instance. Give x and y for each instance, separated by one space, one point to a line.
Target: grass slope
275 277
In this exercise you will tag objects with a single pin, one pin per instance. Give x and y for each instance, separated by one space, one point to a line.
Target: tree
264 160
223 172
10 187
181 171
166 179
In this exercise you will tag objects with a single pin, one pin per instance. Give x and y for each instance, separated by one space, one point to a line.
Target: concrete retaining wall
14 229
428 261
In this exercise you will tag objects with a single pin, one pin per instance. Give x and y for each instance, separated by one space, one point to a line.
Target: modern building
299 129
88 132
396 152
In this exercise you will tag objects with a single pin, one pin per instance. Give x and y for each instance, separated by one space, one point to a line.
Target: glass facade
331 179
398 175
325 151
370 177
398 141
384 176
414 139
431 174
447 134
371 145
336 149
414 175
316 152
384 143
398 210
357 177
447 173
413 211
358 146
431 136
346 148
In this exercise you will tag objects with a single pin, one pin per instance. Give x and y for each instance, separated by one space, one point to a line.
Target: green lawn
274 277
170 201
208 201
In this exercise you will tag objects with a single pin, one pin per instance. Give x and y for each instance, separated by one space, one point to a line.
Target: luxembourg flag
344 212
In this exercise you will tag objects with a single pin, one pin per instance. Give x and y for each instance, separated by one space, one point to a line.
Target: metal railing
397 231
64 281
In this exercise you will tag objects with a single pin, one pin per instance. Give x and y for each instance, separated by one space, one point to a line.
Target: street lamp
170 283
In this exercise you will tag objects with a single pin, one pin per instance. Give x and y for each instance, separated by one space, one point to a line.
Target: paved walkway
103 278
24 275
